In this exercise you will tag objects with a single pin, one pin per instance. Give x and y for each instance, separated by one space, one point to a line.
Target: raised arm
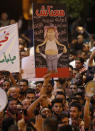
32 107
12 79
87 119
47 78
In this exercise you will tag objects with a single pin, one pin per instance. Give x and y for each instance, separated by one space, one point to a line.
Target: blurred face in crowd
83 55
73 88
38 87
21 47
6 85
25 103
23 86
74 113
80 99
80 39
74 72
70 72
78 64
59 96
45 102
72 57
30 96
59 90
24 53
14 92
12 21
12 106
4 16
85 47
46 112
64 122
49 88
57 108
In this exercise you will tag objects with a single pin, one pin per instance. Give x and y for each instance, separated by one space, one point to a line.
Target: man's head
73 88
23 85
72 56
79 63
49 87
79 96
25 103
64 120
75 110
86 48
61 95
75 71
4 16
30 94
57 106
80 39
46 112
13 92
39 85
50 124
12 105
6 85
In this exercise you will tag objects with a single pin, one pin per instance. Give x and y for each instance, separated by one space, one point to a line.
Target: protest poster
28 67
9 50
50 40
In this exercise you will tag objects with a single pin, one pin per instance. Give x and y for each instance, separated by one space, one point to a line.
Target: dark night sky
14 10
12 7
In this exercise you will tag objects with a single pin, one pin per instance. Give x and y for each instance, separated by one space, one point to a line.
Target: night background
75 8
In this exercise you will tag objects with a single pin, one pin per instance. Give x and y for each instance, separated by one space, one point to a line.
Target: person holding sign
51 50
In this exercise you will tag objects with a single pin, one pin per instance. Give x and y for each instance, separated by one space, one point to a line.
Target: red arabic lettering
49 8
5 38
42 13
49 12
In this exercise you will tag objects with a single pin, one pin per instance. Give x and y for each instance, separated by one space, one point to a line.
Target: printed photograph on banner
9 48
50 40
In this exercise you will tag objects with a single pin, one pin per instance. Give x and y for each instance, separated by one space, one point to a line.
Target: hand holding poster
9 50
50 38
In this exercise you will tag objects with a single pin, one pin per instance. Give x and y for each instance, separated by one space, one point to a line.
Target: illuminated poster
50 40
9 48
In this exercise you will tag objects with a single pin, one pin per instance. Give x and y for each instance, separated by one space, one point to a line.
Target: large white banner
9 48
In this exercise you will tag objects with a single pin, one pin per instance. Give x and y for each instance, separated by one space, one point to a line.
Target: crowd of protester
52 105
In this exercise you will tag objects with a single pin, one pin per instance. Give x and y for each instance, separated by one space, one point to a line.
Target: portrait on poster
51 40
